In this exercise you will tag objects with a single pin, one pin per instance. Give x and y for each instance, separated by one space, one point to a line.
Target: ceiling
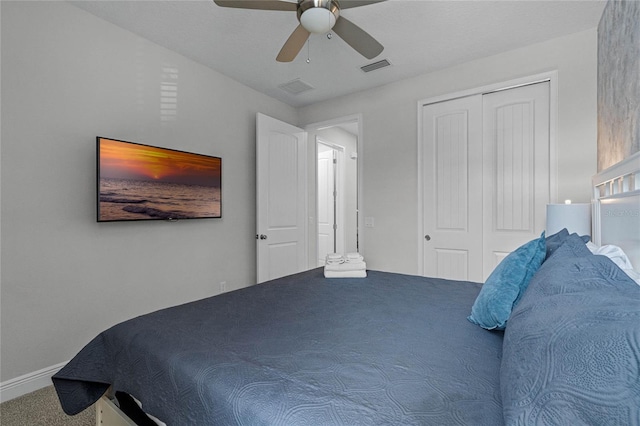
419 36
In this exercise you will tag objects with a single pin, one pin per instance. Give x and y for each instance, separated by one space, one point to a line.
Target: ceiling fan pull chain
308 50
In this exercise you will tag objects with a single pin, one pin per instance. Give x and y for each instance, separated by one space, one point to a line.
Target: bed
561 346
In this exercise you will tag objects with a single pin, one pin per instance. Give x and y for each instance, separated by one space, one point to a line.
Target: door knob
263 237
427 237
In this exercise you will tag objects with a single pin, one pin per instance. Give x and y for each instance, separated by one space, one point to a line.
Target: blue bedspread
572 345
303 350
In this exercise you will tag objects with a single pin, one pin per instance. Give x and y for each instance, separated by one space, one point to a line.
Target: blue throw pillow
506 284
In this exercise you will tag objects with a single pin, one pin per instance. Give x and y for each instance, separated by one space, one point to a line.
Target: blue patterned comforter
572 345
303 350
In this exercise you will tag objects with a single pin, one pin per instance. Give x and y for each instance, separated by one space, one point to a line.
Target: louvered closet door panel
452 189
516 169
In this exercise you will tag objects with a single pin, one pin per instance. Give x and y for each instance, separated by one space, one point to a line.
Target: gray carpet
42 408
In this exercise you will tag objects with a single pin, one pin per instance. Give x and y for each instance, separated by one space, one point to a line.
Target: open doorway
337 189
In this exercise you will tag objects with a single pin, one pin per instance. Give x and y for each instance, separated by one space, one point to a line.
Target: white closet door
486 179
516 169
452 185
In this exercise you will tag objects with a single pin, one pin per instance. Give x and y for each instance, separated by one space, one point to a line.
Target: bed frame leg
108 414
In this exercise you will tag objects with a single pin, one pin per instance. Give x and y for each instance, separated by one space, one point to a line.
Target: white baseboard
28 383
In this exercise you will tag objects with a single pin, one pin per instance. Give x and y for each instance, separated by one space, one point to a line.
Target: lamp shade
575 217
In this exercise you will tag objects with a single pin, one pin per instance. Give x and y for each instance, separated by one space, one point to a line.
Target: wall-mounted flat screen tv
143 182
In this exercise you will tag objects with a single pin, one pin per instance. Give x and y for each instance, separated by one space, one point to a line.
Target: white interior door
281 198
486 178
330 191
326 203
516 169
452 189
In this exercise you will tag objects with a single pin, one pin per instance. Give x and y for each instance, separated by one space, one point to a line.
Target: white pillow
618 256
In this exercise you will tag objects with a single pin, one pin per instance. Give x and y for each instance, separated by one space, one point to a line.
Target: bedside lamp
575 217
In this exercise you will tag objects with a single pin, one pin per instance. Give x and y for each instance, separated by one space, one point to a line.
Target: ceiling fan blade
258 4
347 4
293 45
357 38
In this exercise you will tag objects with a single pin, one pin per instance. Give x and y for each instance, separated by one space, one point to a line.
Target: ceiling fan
318 17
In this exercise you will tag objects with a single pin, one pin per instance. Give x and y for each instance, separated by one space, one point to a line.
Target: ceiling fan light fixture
318 20
316 16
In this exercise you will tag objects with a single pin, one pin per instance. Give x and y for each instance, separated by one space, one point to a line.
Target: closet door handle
263 237
427 237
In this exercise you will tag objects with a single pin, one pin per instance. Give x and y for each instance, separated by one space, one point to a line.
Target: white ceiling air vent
295 87
376 65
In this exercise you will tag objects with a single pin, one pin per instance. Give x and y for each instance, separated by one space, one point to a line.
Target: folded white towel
345 274
353 257
334 259
347 266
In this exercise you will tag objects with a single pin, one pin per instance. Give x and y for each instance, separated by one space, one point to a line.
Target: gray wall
389 146
67 77
618 82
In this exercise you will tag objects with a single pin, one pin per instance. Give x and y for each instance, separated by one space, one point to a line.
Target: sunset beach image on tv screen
138 182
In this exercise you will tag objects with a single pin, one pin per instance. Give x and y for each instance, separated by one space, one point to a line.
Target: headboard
616 207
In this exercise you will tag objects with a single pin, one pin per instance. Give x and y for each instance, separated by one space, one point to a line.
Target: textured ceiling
419 36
